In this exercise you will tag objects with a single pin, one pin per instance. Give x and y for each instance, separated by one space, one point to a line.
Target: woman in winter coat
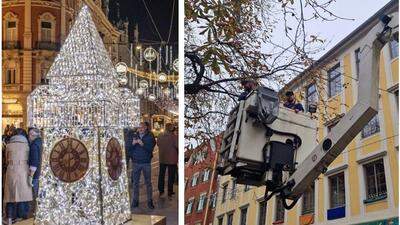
17 188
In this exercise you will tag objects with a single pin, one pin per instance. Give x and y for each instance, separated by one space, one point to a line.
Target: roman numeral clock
82 113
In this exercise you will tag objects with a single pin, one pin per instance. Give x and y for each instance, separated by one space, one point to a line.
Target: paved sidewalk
164 206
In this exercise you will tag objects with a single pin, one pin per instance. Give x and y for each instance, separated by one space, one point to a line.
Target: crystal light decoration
83 101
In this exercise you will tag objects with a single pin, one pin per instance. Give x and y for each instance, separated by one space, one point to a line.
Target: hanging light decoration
84 109
140 91
162 77
152 97
143 84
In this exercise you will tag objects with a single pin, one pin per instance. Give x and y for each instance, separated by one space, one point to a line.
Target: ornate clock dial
69 160
114 158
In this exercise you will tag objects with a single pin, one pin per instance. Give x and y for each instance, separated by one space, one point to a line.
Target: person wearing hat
291 102
248 85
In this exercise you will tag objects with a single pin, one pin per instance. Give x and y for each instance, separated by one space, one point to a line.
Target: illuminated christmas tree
82 112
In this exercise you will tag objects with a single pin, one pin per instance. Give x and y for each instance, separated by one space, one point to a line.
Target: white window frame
47 17
202 201
331 206
206 175
376 182
189 206
10 17
195 179
373 122
308 95
336 67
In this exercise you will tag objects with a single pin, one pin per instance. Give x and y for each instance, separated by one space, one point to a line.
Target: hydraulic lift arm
354 121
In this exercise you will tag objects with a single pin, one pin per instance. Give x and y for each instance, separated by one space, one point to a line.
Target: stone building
33 32
362 185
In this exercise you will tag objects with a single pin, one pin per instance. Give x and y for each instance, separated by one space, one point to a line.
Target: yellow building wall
358 149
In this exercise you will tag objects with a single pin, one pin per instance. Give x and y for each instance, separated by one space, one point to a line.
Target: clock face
69 160
114 159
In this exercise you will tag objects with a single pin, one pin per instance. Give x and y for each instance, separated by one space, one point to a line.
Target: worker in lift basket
291 102
248 85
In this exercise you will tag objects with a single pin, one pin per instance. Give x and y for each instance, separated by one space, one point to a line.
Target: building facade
33 31
201 183
361 185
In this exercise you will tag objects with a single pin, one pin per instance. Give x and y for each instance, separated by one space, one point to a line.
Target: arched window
10 24
47 25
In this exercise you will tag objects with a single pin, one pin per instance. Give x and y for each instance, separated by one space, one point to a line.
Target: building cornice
344 44
37 3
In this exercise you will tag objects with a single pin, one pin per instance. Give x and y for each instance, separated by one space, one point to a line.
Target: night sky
161 11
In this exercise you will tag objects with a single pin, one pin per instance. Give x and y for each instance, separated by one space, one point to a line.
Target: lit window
394 48
334 80
243 216
279 211
189 206
202 202
337 191
371 128
262 213
375 179
308 201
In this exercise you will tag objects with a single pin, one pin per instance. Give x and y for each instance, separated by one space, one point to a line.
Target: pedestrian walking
18 189
168 157
142 150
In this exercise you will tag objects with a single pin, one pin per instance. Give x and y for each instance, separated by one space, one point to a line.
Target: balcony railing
45 45
8 45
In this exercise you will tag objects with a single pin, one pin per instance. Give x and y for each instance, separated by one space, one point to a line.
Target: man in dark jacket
142 150
291 102
35 158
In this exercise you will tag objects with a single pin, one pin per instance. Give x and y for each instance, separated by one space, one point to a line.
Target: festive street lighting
82 112
162 77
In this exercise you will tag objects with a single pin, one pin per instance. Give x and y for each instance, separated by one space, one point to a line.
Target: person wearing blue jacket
141 153
35 158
